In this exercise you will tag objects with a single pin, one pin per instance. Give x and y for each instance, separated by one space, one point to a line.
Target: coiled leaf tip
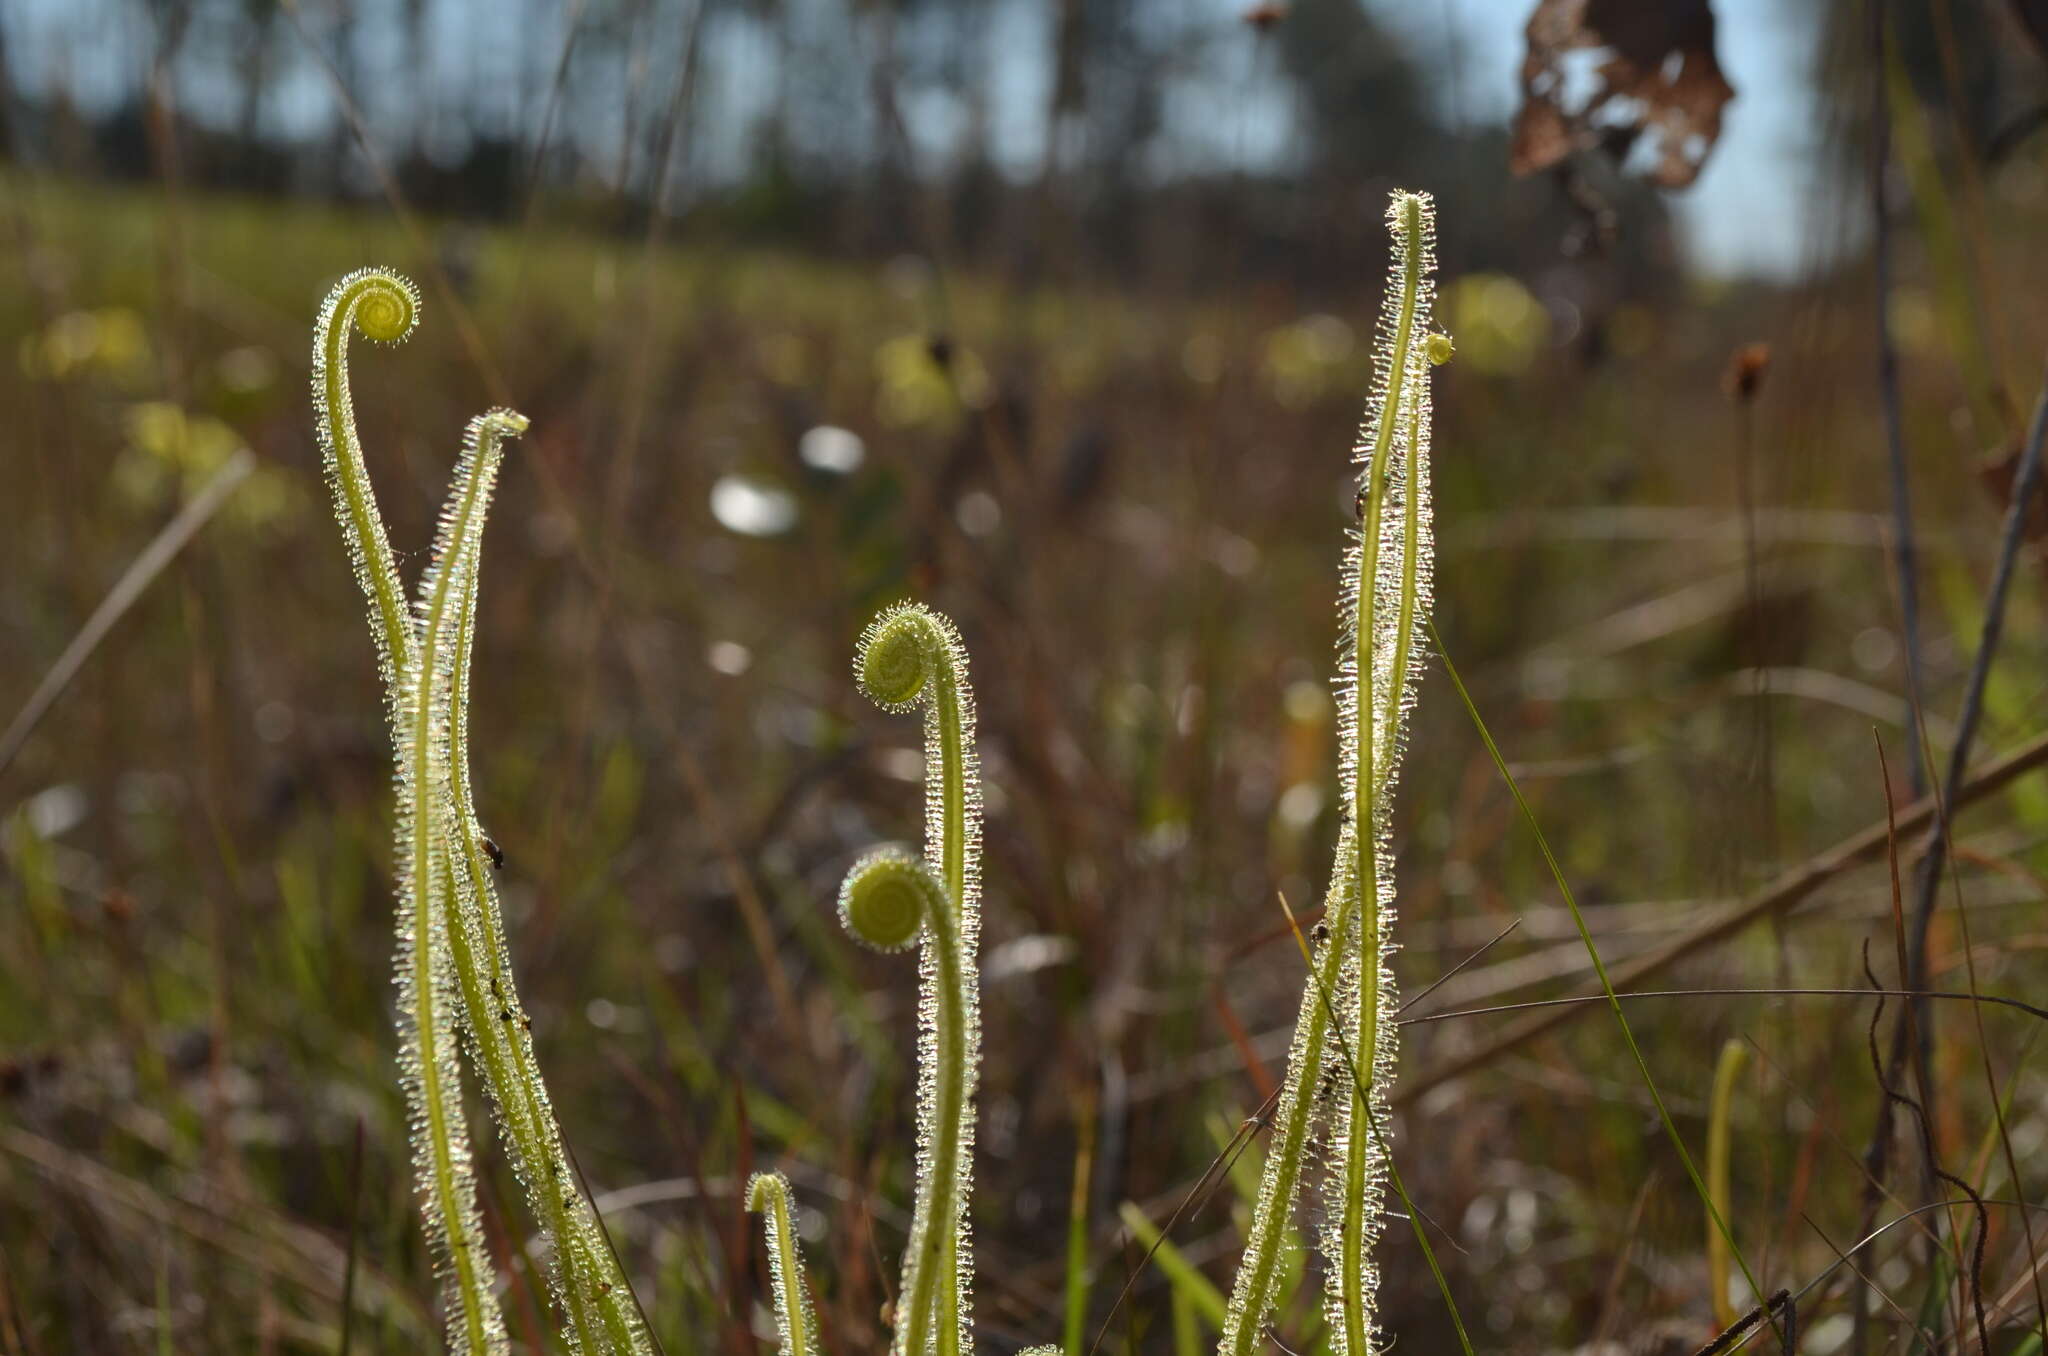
900 654
886 898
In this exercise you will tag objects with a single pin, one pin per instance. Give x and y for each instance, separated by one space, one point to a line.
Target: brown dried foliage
1657 74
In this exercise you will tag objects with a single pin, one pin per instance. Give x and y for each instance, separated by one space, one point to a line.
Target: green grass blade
1628 1034
1187 1339
1726 1070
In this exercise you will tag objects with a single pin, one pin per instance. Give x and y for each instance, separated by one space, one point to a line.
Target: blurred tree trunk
1065 101
342 139
260 18
7 106
889 218
416 49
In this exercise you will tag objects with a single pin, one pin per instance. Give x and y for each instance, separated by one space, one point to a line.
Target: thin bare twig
1580 1000
1191 1204
1913 1035
1454 971
1842 1255
1782 895
1928 882
1905 551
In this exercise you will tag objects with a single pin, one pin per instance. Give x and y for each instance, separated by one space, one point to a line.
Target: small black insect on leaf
495 853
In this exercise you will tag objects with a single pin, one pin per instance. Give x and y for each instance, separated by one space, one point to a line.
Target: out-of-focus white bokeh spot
729 657
750 508
1300 804
978 513
56 809
830 448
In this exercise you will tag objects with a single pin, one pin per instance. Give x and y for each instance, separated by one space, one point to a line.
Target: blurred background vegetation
1055 315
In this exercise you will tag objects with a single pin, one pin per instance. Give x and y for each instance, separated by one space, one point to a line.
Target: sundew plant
768 1196
1342 1058
911 659
454 972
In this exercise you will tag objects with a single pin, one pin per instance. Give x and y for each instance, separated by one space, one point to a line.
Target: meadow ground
1672 606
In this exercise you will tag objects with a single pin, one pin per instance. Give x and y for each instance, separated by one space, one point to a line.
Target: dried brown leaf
1656 74
1996 471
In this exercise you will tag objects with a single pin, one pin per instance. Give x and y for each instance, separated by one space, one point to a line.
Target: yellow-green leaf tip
899 653
886 898
764 1189
390 305
503 422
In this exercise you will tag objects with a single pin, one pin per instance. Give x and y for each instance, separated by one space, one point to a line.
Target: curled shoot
383 307
910 658
453 964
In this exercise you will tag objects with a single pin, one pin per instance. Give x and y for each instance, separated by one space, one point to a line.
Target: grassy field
1673 608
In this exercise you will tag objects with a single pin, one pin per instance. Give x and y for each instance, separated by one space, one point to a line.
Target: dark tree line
1054 138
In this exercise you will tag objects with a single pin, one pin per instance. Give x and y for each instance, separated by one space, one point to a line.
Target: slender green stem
430 890
1350 1065
768 1195
602 1314
934 1281
889 899
490 1011
1259 1270
1358 1215
1382 597
934 1287
948 713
